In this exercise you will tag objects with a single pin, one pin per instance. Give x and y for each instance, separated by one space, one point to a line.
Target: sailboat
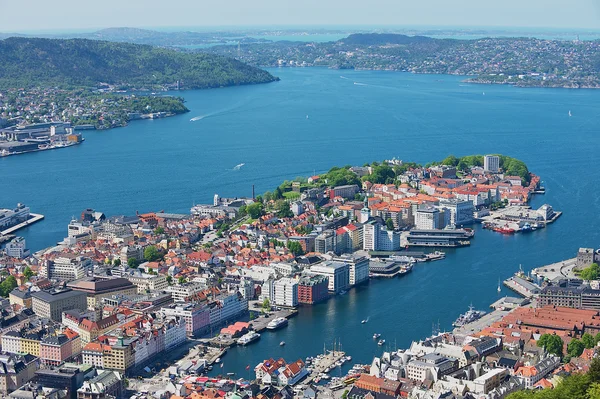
499 288
570 114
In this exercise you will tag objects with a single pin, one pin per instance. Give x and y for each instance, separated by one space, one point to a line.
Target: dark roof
359 393
56 295
506 362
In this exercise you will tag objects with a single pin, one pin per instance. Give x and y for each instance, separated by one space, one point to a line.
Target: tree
9 284
551 343
169 280
117 262
151 254
28 273
283 209
594 372
390 224
259 198
295 247
575 348
588 340
277 194
181 280
159 230
266 305
591 272
345 394
133 263
255 210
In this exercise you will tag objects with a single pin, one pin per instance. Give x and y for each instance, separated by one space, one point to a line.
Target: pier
563 269
35 217
324 365
522 287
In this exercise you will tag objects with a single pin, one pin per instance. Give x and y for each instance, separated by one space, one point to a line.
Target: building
196 316
378 385
131 251
438 238
428 217
286 292
430 367
56 349
279 373
20 298
338 274
582 297
530 375
325 242
491 163
66 267
376 237
15 370
107 384
53 303
460 212
17 248
11 217
186 291
358 265
97 288
69 377
587 256
149 282
347 191
313 289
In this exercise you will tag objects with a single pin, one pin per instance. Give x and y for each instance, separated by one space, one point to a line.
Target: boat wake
239 166
197 118
360 84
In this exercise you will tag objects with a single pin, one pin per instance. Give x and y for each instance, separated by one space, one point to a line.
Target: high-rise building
338 274
17 248
491 163
286 292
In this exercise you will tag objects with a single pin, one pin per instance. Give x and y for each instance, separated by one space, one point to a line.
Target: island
523 62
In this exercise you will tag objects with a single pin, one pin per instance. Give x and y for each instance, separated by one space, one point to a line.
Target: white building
491 163
149 282
338 274
427 218
185 291
461 212
17 248
175 332
284 269
286 292
66 267
376 237
358 267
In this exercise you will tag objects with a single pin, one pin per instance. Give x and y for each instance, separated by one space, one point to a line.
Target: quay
481 323
35 217
558 270
522 287
324 365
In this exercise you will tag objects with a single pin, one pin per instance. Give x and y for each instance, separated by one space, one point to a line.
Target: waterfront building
196 316
376 237
429 217
358 267
148 282
17 248
66 267
581 297
286 292
378 385
587 256
312 289
460 212
11 217
246 289
77 229
491 163
96 288
338 274
53 303
278 372
438 238
15 371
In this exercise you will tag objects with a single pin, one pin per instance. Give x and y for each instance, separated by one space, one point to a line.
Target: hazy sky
23 15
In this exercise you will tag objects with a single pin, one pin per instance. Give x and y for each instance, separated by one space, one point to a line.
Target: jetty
35 217
522 287
324 365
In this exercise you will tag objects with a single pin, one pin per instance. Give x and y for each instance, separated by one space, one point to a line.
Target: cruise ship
248 338
11 217
277 323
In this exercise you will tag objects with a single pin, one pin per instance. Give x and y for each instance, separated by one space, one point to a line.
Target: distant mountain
27 62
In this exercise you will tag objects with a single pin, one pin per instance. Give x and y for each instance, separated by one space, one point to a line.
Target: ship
248 338
504 230
277 323
470 316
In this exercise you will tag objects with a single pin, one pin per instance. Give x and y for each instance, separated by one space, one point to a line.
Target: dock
35 217
484 321
324 365
522 287
563 269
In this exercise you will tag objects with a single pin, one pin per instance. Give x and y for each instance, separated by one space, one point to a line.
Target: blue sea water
353 117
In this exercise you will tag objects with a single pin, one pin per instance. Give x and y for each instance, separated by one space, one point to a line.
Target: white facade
491 163
338 274
461 212
66 268
149 282
17 248
286 292
175 333
377 237
358 267
427 218
181 292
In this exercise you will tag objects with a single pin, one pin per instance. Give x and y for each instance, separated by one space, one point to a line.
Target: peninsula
523 62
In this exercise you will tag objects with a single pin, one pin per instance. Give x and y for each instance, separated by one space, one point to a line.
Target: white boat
381 342
282 343
277 323
248 338
376 336
499 288
238 166
306 116
364 321
570 113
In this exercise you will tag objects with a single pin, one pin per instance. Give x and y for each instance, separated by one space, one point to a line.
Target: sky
70 15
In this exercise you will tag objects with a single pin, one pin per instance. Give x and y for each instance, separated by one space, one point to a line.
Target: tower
365 212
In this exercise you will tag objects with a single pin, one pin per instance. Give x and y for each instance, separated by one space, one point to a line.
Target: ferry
248 338
277 323
468 317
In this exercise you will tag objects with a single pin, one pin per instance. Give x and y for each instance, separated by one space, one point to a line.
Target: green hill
36 62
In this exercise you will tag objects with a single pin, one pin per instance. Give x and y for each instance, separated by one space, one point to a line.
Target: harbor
34 218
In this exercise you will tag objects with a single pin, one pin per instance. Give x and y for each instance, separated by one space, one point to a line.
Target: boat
306 116
469 232
364 321
238 166
470 316
230 374
218 360
499 288
248 338
381 342
570 114
282 343
504 230
349 358
526 227
277 323
375 336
